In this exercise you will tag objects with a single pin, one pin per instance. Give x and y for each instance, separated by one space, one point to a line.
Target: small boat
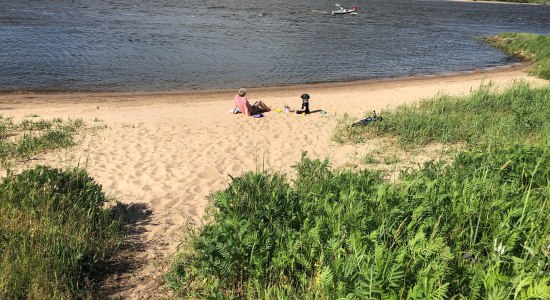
343 11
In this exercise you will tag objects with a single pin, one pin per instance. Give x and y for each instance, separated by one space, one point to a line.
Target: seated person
241 103
305 104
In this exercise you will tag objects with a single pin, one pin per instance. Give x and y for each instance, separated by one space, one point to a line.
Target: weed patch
485 117
19 141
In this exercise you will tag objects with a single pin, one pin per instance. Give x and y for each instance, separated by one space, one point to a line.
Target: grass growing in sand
21 140
527 46
485 117
475 229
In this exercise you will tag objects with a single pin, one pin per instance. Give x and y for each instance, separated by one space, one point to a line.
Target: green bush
53 232
476 229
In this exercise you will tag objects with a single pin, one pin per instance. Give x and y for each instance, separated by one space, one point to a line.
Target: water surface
137 45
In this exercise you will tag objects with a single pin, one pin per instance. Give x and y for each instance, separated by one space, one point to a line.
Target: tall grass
528 46
484 117
477 229
53 232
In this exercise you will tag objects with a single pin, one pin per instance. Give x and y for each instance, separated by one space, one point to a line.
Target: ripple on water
136 45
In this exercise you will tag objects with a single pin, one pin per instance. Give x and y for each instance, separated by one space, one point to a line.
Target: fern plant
475 229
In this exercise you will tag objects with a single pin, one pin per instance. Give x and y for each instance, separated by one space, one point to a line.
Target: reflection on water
137 45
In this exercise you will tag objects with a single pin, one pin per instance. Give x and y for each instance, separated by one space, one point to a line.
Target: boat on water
344 11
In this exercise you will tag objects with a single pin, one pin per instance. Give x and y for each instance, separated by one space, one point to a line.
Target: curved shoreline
166 152
64 96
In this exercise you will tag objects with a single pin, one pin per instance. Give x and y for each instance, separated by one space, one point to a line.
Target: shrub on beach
475 229
53 232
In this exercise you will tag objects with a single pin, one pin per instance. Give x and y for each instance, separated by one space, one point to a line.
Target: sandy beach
162 154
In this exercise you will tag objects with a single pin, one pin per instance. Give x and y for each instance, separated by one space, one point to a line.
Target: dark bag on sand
368 120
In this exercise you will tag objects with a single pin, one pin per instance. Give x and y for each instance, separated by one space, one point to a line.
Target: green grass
20 141
370 159
476 229
527 46
53 233
484 117
391 160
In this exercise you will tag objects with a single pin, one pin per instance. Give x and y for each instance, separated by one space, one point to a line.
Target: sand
162 154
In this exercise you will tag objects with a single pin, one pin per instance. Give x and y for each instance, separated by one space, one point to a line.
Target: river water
138 45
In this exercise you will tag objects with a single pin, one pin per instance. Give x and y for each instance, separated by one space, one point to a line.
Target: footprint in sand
192 210
208 174
196 189
232 169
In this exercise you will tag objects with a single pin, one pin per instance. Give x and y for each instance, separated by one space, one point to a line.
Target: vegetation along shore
468 222
474 226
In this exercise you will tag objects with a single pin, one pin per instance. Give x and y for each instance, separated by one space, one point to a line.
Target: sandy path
162 154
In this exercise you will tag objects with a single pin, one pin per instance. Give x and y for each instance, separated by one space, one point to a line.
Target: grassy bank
485 117
526 46
54 230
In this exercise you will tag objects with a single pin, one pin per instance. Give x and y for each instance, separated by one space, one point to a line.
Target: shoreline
162 154
198 95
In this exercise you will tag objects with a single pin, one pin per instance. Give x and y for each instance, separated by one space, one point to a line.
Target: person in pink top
241 103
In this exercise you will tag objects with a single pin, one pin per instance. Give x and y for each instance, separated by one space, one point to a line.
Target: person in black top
305 104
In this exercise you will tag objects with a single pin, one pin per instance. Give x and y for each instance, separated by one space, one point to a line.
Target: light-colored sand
164 153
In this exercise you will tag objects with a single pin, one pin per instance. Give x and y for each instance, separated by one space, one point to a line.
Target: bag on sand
368 120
